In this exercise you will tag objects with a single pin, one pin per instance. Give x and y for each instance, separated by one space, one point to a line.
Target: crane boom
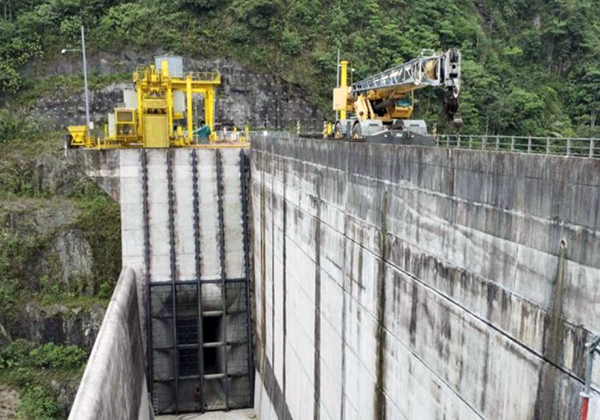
429 69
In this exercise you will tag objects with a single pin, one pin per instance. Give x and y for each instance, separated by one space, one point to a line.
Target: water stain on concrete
412 328
546 404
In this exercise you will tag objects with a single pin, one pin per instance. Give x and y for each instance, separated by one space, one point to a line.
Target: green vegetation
31 369
33 173
67 85
13 128
38 404
44 202
98 219
48 356
100 222
530 67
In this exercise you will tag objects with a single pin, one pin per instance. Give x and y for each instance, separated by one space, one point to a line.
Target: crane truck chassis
379 108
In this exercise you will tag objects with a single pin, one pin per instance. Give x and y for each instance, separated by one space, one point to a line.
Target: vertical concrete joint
557 306
263 297
317 357
380 411
284 379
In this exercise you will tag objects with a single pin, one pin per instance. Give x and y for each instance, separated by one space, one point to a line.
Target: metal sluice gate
198 331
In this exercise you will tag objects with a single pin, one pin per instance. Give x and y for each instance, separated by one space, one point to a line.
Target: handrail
570 146
144 73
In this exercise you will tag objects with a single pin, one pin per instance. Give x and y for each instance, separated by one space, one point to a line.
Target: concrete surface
114 383
231 415
132 222
418 283
159 269
119 172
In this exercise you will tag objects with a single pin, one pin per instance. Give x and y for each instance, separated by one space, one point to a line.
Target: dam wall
395 282
184 231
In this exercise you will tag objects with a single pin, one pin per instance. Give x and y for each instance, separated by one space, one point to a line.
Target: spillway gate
194 263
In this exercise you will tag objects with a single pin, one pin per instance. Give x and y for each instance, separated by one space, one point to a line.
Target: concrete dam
315 279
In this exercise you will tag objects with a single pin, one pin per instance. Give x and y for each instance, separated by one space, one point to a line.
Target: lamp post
85 80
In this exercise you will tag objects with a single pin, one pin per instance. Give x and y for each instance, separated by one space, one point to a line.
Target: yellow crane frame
150 83
344 101
152 123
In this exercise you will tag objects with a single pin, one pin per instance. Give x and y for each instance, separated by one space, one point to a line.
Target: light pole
85 80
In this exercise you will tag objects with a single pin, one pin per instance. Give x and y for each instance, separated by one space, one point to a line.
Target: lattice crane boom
429 69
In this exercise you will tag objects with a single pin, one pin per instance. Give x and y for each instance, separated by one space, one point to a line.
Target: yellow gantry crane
159 112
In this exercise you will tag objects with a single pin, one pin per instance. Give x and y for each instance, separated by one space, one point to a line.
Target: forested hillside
530 66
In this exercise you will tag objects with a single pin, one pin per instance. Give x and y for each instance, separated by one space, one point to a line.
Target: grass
27 141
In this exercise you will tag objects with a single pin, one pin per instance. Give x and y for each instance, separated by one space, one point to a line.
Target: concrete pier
185 236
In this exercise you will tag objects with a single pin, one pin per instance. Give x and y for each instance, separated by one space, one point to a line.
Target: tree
256 13
199 6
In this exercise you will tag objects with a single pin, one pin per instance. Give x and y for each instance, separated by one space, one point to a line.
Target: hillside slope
60 257
530 67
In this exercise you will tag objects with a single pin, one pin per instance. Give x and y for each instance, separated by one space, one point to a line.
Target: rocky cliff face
57 231
52 257
61 323
244 98
60 257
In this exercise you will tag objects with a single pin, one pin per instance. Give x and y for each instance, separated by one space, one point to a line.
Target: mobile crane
381 106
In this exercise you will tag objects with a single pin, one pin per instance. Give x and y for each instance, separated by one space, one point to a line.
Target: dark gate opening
213 373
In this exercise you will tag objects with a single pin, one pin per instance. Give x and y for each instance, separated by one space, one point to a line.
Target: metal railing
144 73
276 135
579 147
576 147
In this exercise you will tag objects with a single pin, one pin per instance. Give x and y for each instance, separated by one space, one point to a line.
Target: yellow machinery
379 108
159 114
79 137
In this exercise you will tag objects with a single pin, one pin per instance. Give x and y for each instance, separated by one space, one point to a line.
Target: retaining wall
114 382
396 282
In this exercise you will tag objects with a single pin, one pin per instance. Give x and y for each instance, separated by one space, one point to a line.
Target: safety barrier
581 147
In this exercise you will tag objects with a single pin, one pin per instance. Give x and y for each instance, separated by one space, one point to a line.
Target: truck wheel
337 131
357 132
